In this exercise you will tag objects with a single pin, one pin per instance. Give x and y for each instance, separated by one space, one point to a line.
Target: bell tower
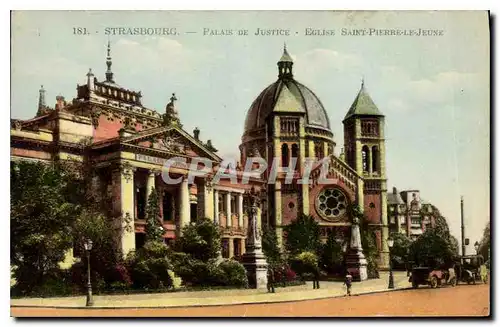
364 142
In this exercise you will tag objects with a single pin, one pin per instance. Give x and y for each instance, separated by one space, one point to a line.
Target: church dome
287 95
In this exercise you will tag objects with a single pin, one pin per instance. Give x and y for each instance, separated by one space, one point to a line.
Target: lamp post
476 246
88 247
390 242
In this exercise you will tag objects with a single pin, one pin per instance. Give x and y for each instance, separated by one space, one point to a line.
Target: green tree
154 229
201 240
399 251
302 235
433 248
270 247
41 218
485 243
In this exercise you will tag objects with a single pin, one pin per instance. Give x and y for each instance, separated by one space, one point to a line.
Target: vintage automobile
472 269
432 277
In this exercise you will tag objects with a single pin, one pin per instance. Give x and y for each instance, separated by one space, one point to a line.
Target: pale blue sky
434 90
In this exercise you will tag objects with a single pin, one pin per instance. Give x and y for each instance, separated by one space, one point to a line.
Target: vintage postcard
250 163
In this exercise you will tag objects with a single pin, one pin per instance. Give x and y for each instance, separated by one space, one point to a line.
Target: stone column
277 213
385 226
185 206
254 259
231 247
360 194
208 200
205 199
240 210
325 149
216 207
369 160
150 183
242 246
123 205
355 259
228 210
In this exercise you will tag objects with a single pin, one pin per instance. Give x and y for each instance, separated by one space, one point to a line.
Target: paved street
464 300
219 297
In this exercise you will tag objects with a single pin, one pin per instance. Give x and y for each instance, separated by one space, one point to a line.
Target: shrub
305 263
232 273
148 267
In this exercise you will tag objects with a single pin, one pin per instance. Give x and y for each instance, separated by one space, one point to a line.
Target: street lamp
390 242
476 246
88 247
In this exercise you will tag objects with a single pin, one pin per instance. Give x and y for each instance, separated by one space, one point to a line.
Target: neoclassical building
129 144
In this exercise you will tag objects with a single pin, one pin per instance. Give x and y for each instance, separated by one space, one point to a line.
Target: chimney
196 133
394 190
60 103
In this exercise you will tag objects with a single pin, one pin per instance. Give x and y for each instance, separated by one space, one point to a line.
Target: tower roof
285 57
363 105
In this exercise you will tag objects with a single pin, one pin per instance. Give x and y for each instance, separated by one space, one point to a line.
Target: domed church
287 122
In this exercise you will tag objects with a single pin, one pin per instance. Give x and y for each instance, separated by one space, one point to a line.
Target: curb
203 305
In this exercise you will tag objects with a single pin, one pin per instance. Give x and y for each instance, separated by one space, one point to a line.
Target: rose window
332 203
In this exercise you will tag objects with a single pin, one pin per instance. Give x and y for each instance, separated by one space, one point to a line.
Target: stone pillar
123 205
240 210
229 219
185 205
277 213
312 154
360 194
206 199
302 161
325 149
216 207
355 259
385 227
231 247
369 160
150 183
243 247
254 259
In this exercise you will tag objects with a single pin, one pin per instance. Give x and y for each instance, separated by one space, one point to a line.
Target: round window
331 203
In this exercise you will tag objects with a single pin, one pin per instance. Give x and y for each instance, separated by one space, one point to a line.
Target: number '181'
80 31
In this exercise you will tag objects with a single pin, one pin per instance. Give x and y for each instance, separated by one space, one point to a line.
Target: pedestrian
316 274
270 280
348 283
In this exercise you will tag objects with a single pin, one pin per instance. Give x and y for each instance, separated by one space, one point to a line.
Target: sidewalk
220 297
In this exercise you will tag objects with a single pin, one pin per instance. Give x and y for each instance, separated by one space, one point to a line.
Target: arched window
285 157
375 159
364 157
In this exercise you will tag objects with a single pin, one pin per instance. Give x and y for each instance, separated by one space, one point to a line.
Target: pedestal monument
254 259
355 259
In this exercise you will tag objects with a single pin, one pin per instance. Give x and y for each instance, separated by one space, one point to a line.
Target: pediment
171 139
